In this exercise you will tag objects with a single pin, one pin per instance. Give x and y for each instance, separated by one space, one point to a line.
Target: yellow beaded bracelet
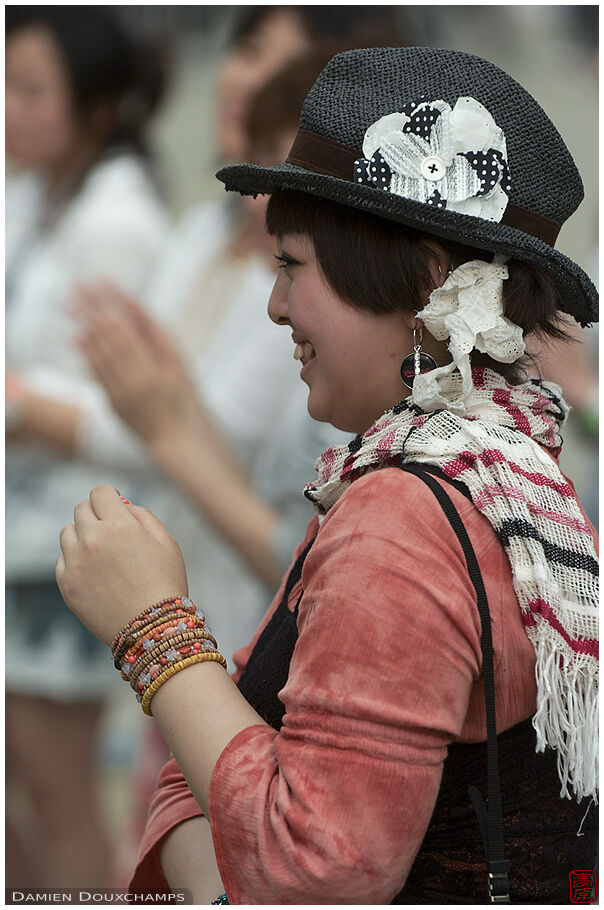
172 670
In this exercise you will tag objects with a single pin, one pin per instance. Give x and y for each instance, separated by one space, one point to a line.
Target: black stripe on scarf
558 412
407 404
518 527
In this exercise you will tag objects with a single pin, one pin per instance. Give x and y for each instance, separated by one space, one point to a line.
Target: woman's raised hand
116 560
135 361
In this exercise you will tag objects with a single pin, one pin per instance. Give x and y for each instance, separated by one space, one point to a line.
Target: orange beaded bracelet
176 642
159 630
140 617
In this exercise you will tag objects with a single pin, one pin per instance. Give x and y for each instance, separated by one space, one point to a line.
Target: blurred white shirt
113 227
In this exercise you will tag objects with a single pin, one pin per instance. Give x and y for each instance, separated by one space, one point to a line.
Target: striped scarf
499 450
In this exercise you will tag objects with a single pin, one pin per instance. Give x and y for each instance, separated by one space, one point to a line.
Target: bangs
290 212
370 262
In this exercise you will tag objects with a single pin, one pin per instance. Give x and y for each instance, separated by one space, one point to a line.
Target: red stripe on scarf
327 461
347 467
384 445
502 397
540 480
467 460
540 409
488 494
580 645
479 377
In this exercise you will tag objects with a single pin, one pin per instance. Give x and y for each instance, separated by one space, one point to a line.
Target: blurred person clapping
80 202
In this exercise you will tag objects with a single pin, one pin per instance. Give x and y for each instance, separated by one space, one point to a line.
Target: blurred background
551 50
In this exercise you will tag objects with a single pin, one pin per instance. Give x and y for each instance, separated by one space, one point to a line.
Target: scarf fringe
567 719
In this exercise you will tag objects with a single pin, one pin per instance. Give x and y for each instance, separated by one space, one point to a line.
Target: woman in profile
450 566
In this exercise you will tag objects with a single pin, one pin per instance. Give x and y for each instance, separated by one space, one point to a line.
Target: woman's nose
277 304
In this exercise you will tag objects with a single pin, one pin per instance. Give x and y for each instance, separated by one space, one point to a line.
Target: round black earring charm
416 363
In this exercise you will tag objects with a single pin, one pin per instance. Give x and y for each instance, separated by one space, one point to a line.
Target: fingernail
126 501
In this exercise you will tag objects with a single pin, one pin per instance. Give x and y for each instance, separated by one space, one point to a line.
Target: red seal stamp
583 886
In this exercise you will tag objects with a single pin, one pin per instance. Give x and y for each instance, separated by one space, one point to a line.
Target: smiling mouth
304 351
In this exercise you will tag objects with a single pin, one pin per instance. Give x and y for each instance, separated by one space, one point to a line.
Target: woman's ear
439 263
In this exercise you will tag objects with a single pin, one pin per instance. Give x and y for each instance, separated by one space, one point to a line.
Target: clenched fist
116 560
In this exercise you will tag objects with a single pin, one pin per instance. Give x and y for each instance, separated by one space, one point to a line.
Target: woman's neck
63 179
62 176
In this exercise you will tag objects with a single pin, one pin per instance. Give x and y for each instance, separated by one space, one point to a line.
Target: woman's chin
340 421
317 409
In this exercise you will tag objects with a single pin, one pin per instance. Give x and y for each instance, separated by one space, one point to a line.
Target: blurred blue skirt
49 652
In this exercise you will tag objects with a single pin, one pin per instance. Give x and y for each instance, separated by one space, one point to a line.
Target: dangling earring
416 363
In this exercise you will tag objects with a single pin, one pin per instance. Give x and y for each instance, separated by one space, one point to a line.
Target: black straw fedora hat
442 141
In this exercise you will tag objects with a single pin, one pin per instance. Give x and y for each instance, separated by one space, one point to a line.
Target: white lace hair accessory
467 309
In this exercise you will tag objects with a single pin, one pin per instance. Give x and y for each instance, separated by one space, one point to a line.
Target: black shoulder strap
422 469
296 574
491 819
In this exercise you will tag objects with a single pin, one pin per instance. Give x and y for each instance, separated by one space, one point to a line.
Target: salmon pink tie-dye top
386 673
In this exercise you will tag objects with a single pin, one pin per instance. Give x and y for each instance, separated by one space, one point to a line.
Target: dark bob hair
349 26
376 264
106 67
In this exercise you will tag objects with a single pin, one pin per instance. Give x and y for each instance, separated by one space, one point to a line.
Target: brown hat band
333 159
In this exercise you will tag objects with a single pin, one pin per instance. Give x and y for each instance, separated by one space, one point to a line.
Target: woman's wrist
14 402
166 448
33 417
161 641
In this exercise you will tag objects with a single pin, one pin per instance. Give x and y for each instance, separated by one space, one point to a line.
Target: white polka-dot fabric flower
452 158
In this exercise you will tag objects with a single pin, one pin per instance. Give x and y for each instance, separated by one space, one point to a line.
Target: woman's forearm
50 421
223 712
197 460
199 463
188 861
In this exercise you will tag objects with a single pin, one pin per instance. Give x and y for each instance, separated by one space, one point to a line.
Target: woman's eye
284 262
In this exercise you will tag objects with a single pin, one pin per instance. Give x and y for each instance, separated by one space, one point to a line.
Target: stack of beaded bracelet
160 641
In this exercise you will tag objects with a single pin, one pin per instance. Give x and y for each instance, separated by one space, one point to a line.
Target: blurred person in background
572 362
227 388
81 203
266 37
216 263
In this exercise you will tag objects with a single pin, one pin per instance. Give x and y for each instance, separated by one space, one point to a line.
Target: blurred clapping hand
150 389
135 361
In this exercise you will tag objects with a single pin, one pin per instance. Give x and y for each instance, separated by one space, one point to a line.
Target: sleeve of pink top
172 801
334 807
